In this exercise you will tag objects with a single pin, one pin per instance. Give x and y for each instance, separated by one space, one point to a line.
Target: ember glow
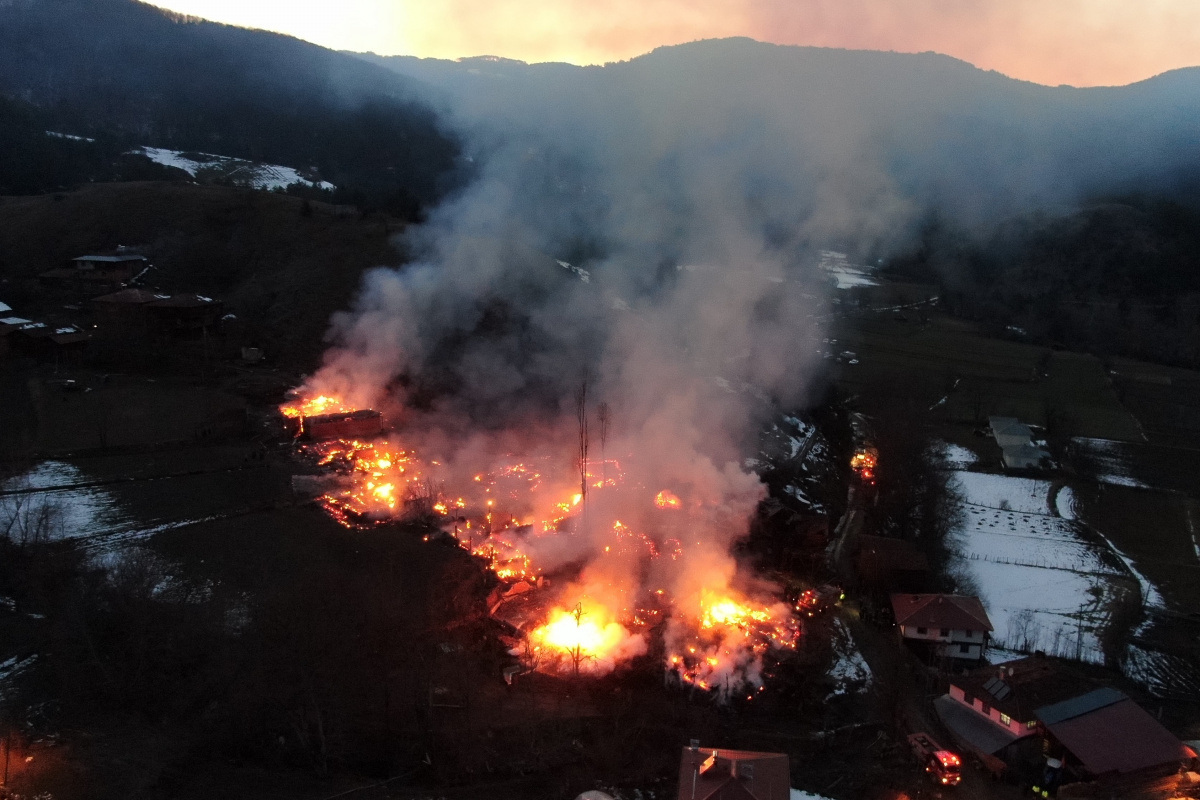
666 499
520 520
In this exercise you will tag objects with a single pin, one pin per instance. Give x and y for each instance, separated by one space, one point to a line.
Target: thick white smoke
651 246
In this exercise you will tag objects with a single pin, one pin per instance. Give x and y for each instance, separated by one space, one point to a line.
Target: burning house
564 558
588 423
345 425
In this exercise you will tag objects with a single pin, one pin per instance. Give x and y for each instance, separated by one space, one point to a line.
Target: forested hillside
1119 277
128 74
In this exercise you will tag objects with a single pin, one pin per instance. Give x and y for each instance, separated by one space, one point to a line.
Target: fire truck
863 462
944 767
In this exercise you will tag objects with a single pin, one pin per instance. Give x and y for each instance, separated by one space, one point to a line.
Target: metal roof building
1109 734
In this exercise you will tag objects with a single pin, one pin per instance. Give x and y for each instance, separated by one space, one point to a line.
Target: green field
1165 400
978 375
1154 529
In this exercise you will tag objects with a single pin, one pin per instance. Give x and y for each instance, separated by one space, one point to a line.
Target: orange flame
667 499
721 640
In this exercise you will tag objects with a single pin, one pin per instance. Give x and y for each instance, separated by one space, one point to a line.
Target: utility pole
604 419
581 415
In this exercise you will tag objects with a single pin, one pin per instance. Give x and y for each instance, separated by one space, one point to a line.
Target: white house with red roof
951 625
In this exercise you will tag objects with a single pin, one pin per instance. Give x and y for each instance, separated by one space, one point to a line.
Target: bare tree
28 519
577 653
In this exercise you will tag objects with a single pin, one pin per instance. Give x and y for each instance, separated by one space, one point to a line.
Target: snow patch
955 456
844 274
70 136
580 272
58 513
850 670
1026 495
237 170
1064 503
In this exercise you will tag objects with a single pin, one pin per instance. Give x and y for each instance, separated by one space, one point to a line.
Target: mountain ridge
142 76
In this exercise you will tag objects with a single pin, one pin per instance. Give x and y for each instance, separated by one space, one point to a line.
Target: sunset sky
1077 42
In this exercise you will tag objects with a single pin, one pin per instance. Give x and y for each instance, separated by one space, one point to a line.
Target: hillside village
1029 649
735 421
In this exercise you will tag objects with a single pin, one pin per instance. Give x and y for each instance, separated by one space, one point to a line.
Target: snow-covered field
1044 585
239 171
847 275
1001 491
77 511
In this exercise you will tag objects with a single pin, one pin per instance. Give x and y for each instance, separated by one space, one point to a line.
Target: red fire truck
943 766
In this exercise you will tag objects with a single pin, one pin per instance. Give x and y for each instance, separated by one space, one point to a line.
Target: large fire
516 514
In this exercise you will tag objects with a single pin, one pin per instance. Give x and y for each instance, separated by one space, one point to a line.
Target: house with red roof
945 625
1106 737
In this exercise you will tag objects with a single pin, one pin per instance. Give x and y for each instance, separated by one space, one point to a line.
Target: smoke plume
656 250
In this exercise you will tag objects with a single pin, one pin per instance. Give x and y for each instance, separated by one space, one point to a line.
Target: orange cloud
1080 42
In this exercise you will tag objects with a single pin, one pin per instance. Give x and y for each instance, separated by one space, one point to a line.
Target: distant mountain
128 74
944 131
1070 215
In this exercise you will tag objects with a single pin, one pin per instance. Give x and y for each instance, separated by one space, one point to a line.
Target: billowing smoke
654 253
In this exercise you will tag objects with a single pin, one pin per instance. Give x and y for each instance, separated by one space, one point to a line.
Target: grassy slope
281 271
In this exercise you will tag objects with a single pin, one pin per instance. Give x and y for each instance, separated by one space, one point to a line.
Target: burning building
581 356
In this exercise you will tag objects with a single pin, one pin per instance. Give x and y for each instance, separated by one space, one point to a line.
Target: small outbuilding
715 774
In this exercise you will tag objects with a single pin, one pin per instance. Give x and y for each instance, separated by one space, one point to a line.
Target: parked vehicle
944 767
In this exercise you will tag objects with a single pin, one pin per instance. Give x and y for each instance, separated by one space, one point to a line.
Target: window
968 699
1031 724
964 648
921 631
1005 720
987 710
945 631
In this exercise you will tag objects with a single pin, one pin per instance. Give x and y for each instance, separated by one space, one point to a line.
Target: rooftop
1009 426
1109 733
716 774
110 259
129 297
185 301
971 728
1021 687
957 612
